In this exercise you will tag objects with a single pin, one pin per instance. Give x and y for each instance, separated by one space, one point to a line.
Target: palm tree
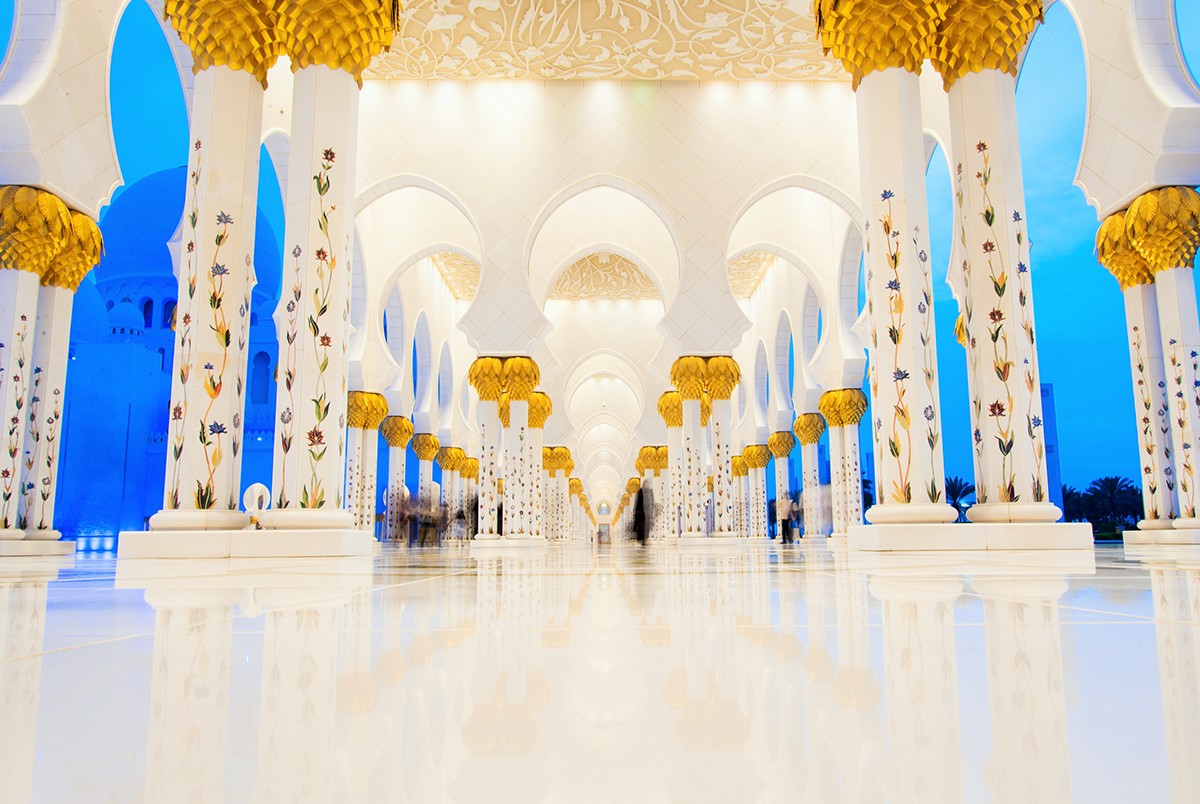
1113 501
1074 509
868 492
957 492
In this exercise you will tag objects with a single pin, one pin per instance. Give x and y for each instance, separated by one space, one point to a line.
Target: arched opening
147 306
168 314
260 377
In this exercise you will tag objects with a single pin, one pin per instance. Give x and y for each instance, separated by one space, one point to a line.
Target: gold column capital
562 459
738 466
449 458
1164 226
781 443
809 427
80 254
647 459
486 376
35 226
689 375
842 407
397 431
757 456
575 486
705 408
872 35
662 459
1117 254
469 469
670 407
548 458
540 408
722 375
365 410
632 485
521 375
238 34
426 446
334 33
978 35
504 409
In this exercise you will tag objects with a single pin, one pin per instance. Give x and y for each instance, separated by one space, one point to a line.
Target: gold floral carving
979 35
521 376
469 469
722 375
425 446
450 458
705 408
575 486
670 407
747 272
619 39
460 273
504 408
365 409
397 431
540 408
80 254
339 35
871 35
781 443
688 375
809 428
1118 255
843 407
238 34
486 375
757 456
1164 226
738 466
34 227
605 276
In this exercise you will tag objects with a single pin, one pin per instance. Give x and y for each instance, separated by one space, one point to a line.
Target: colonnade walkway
572 672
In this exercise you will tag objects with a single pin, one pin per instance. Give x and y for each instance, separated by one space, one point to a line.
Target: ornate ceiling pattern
603 275
747 271
619 39
461 273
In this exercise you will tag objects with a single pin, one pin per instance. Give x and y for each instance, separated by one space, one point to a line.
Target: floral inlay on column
184 346
10 471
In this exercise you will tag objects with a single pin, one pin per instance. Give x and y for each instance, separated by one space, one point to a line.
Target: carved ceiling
617 39
603 276
747 271
461 273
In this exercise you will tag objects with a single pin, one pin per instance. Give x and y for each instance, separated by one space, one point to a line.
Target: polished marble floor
572 674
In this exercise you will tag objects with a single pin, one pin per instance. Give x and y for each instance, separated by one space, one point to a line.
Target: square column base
36 547
244 543
972 536
1162 536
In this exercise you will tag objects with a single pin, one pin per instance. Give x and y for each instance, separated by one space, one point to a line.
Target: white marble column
51 347
998 309
852 499
670 407
1163 226
722 377
540 408
781 444
212 312
688 374
757 457
808 429
485 376
397 431
425 446
837 482
22 637
366 411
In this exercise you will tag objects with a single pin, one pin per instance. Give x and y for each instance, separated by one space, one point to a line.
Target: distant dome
89 319
137 226
125 316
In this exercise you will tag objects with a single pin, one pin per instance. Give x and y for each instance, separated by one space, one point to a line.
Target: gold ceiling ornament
34 227
757 456
605 276
397 431
82 253
688 375
722 375
870 35
809 427
705 409
617 39
747 271
505 410
738 466
365 410
632 485
670 407
843 407
425 446
461 274
336 34
978 35
449 458
469 469
1117 254
781 443
960 330
540 408
521 376
238 34
1164 226
486 376
575 486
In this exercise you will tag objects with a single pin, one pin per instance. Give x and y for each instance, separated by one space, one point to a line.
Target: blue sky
1079 313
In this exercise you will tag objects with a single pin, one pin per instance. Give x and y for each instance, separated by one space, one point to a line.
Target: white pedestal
972 536
36 547
244 543
1158 536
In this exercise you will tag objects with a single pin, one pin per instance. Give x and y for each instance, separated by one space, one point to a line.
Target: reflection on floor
749 673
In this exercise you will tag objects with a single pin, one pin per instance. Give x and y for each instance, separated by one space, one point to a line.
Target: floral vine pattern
900 436
287 416
38 493
1033 422
1186 478
973 354
240 380
214 379
928 370
312 494
10 472
1149 428
184 345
